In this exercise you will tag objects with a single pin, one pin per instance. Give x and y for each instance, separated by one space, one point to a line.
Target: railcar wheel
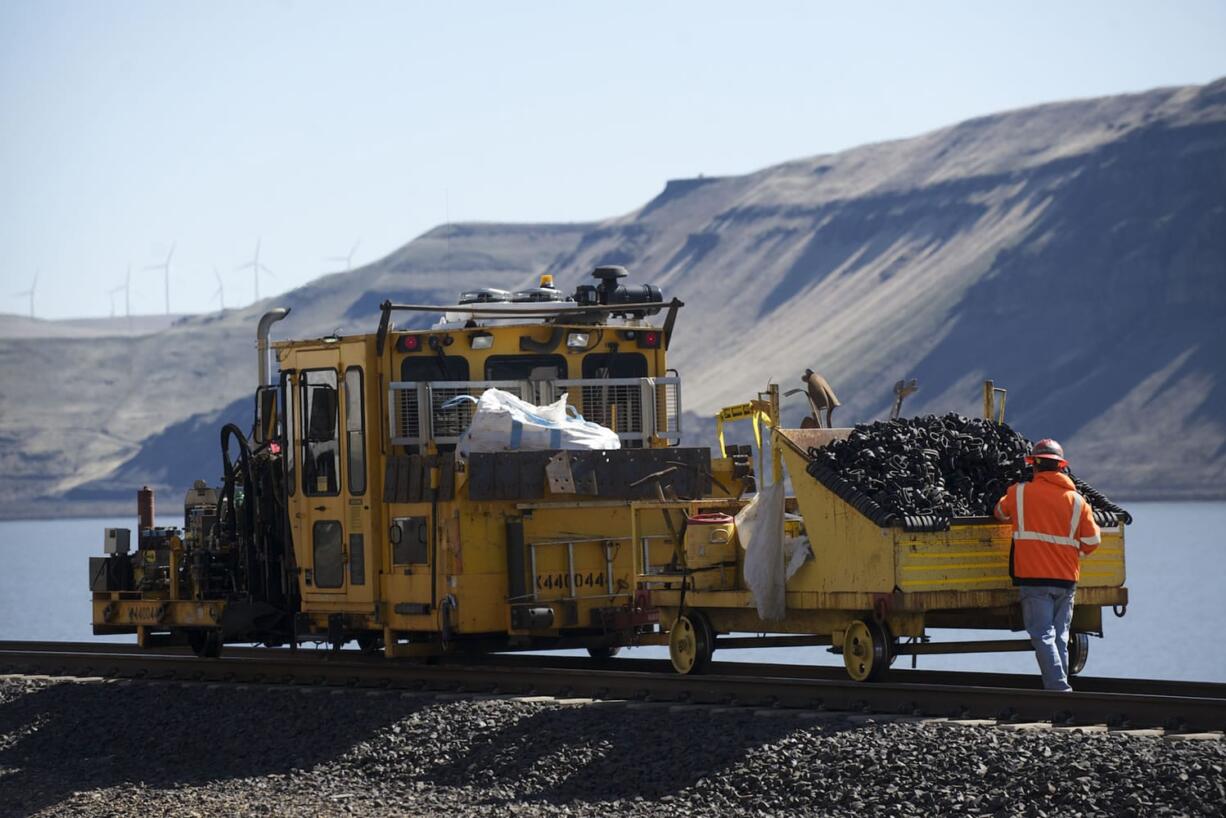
1078 652
370 644
604 651
691 642
205 644
212 644
866 650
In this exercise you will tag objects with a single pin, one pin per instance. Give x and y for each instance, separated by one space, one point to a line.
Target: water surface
1176 556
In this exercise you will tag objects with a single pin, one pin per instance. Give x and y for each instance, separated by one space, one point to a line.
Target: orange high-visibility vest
1053 526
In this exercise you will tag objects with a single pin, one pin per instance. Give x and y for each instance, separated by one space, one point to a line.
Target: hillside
21 326
1074 252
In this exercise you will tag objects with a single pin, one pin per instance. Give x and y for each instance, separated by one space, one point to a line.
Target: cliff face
1074 252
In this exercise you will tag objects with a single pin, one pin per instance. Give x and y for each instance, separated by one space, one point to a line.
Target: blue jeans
1047 611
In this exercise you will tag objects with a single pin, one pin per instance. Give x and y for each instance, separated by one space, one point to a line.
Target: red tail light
649 339
408 343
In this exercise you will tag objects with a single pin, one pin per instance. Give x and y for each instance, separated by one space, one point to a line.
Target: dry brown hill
1074 252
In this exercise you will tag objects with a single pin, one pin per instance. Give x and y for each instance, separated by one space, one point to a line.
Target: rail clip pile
922 472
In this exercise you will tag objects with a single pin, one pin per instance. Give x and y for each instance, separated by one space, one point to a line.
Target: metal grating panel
668 409
411 427
618 407
636 408
449 424
446 425
403 399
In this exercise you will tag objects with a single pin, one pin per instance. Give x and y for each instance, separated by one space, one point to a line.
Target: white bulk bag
504 423
759 526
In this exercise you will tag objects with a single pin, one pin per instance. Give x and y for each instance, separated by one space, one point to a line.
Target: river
1176 556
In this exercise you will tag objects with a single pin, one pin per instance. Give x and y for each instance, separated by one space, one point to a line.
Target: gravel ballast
945 467
149 749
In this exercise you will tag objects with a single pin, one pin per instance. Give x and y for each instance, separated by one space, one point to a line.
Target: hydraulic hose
244 463
242 529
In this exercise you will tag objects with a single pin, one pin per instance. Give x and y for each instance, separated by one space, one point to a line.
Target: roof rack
545 310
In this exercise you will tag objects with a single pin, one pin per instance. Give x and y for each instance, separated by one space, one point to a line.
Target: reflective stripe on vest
1022 534
1072 528
1021 510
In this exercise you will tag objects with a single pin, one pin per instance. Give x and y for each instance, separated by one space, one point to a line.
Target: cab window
328 554
287 412
434 368
320 452
621 365
525 367
355 430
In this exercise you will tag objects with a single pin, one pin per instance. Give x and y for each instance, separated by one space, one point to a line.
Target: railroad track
1118 703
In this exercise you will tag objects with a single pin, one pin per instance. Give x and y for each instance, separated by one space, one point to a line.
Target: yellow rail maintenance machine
353 513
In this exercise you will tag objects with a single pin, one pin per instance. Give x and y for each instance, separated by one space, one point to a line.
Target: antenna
165 268
347 259
220 295
30 292
257 267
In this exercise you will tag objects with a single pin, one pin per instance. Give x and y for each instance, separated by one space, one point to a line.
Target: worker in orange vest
1053 526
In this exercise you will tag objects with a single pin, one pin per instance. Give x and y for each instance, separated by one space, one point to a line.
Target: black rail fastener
1062 717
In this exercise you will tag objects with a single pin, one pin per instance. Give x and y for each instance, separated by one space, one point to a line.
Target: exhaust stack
261 341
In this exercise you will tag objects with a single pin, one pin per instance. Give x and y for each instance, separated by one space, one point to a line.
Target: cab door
361 563
322 532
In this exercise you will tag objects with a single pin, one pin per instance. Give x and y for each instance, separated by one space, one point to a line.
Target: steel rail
1089 684
903 698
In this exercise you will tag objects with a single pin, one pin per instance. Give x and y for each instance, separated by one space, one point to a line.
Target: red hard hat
1047 449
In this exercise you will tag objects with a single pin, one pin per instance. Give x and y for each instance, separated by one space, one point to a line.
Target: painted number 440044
548 581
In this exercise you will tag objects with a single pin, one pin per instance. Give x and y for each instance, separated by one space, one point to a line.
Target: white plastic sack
760 528
798 551
505 423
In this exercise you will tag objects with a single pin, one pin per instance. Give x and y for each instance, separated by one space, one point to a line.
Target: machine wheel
1078 652
205 644
604 651
866 650
370 643
691 642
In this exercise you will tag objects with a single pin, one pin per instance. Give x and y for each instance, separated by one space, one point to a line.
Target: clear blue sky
127 125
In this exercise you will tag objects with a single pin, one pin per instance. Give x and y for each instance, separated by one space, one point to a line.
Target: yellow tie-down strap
756 411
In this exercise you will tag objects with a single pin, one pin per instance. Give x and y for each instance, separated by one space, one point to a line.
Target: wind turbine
256 268
114 291
165 268
220 295
126 287
127 297
347 259
30 293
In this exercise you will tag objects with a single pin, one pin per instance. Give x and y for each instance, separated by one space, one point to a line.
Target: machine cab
372 424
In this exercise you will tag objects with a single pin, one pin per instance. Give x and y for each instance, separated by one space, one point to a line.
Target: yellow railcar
865 588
